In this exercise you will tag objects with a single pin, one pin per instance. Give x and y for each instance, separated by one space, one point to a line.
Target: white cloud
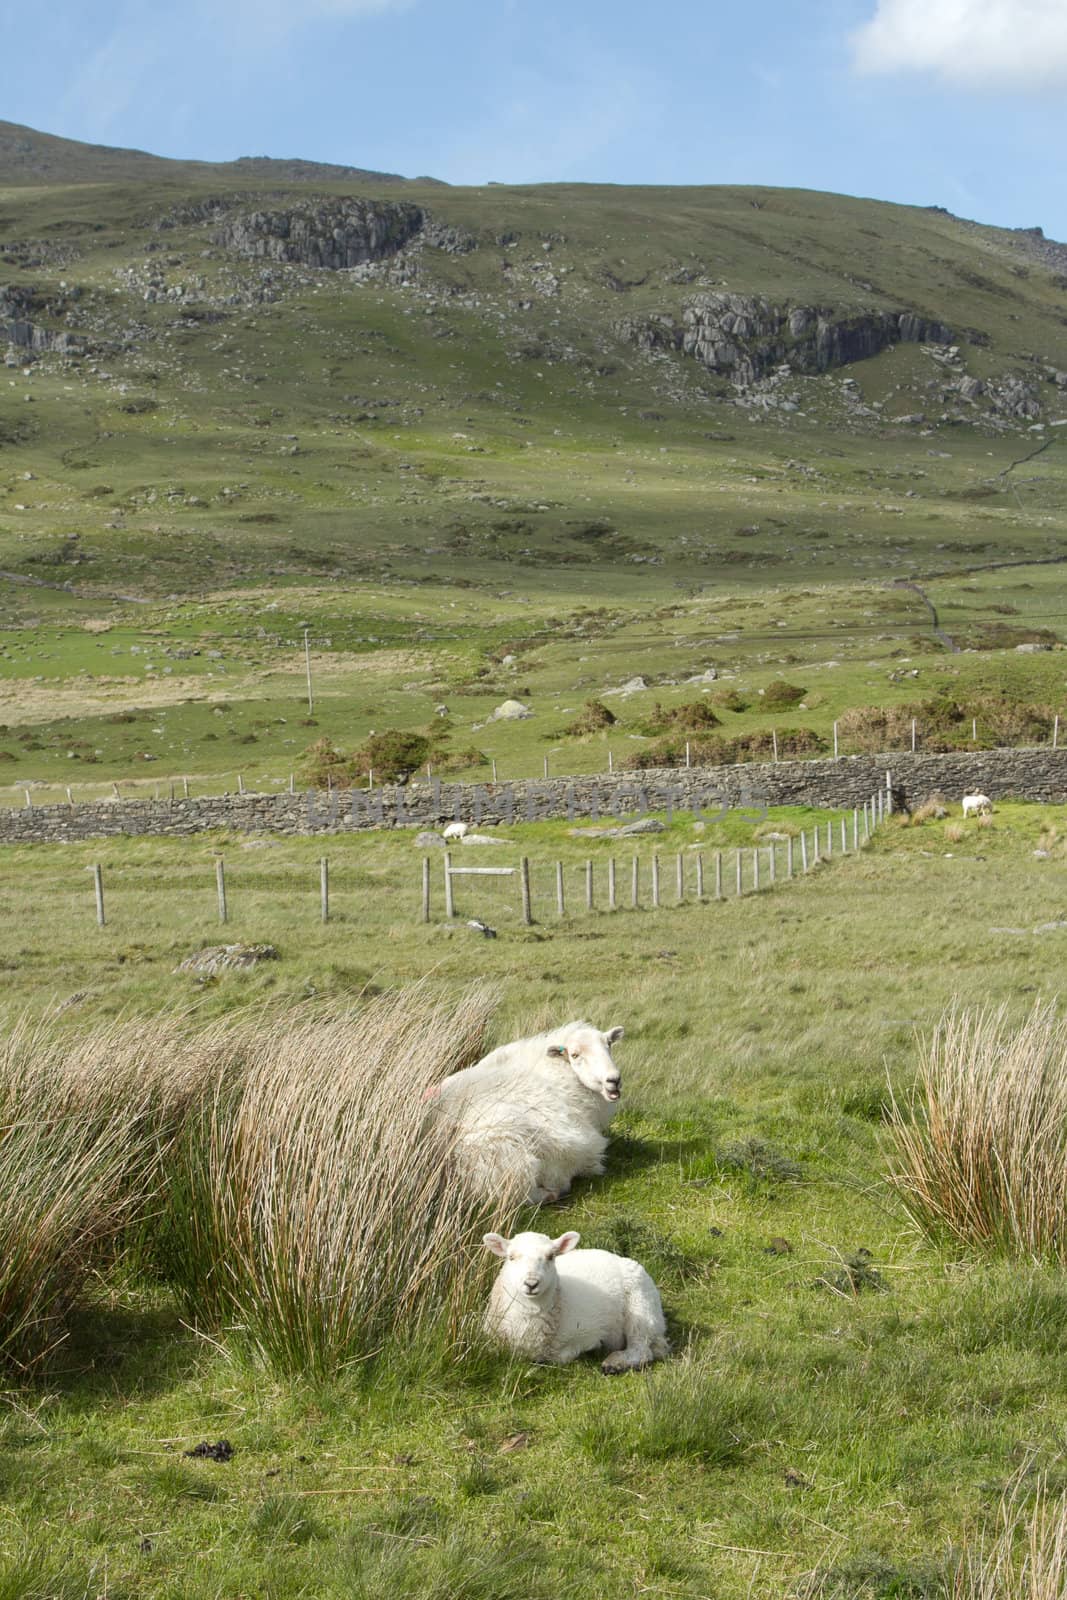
997 44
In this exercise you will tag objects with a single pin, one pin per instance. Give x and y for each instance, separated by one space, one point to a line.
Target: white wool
975 804
552 1302
530 1116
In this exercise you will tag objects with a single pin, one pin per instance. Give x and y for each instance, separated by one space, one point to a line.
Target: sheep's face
529 1270
588 1053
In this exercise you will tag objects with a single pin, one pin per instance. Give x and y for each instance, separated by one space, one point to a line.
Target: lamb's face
529 1270
588 1052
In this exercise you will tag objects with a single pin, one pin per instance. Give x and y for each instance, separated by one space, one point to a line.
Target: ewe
530 1117
454 830
974 805
552 1305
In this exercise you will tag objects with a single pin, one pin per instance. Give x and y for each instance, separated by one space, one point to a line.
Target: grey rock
227 958
330 233
429 841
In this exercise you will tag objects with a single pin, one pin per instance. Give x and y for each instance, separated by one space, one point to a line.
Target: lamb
552 1305
454 830
976 804
531 1116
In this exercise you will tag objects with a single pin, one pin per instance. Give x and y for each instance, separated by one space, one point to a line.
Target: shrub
955 833
446 761
391 755
694 716
729 700
594 716
781 696
720 752
981 1147
933 810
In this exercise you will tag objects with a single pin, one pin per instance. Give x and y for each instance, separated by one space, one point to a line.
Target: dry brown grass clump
933 810
85 1123
955 833
981 1150
326 1214
1027 1558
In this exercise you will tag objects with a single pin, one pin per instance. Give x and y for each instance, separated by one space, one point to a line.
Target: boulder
510 711
227 958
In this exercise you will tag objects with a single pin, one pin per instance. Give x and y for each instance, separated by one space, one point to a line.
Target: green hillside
450 422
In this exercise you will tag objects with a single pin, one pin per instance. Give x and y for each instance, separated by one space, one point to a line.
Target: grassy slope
461 465
868 1432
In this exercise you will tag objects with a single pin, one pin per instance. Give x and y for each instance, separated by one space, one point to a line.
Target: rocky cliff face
743 337
330 234
18 329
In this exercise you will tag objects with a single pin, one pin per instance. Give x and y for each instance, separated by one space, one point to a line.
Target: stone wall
1027 774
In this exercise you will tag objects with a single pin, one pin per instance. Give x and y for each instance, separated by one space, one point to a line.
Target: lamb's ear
565 1242
613 1034
496 1243
556 1050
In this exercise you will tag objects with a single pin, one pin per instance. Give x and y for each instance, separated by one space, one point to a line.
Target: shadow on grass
113 1352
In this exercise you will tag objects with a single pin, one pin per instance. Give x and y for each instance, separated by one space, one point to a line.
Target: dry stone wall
1025 774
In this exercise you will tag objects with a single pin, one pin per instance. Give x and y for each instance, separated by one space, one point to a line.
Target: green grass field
827 1409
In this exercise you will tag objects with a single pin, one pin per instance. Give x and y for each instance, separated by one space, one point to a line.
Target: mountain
32 158
263 367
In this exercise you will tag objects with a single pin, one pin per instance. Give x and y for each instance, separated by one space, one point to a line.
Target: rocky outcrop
328 233
18 328
743 337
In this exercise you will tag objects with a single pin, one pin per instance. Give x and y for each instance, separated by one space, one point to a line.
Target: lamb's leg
643 1324
632 1359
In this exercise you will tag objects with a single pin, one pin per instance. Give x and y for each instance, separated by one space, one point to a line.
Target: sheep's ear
613 1034
557 1050
496 1243
565 1242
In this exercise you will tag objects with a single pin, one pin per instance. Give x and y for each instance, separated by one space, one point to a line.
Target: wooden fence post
815 844
835 740
185 788
589 886
220 885
524 871
561 905
738 870
494 769
718 874
789 855
425 888
755 870
829 840
803 851
98 885
655 880
1056 732
774 743
634 883
324 888
889 794
700 874
611 883
681 877
611 763
450 904
855 827
772 862
844 837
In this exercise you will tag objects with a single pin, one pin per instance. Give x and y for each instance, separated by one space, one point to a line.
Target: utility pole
307 663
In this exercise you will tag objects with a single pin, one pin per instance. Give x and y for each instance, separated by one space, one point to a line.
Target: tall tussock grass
281 1172
981 1148
1026 1559
325 1214
84 1123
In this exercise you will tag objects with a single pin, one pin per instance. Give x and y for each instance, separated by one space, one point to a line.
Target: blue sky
961 103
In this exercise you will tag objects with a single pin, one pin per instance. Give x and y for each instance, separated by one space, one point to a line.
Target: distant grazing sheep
530 1117
454 830
551 1303
975 805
